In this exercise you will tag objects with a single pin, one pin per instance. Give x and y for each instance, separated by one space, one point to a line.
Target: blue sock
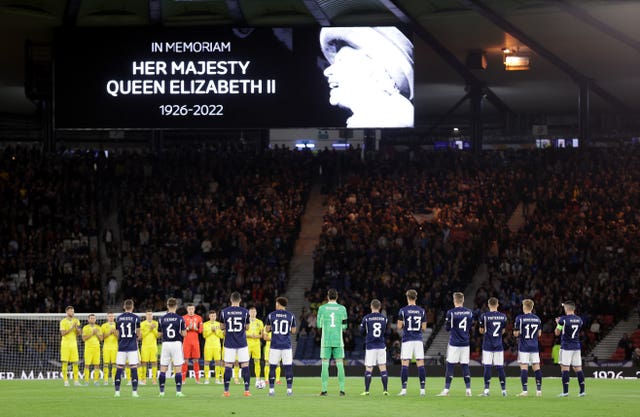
162 379
448 377
367 380
422 376
385 380
565 382
502 377
228 371
272 375
524 377
178 379
466 374
404 376
288 375
118 378
580 375
246 375
487 376
134 379
538 379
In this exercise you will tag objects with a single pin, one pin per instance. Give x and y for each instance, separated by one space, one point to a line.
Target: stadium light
513 61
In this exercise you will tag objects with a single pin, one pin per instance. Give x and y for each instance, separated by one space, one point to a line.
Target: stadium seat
618 355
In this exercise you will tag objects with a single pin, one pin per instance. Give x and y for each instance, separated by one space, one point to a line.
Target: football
261 384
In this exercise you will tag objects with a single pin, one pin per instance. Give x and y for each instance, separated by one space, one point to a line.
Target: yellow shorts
69 353
212 352
149 354
92 356
254 349
109 355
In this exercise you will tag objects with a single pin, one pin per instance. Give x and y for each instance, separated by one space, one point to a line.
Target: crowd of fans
417 221
48 250
581 242
198 224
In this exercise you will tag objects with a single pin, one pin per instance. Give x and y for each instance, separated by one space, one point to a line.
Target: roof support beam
71 12
155 12
236 12
513 30
445 116
580 13
443 52
317 12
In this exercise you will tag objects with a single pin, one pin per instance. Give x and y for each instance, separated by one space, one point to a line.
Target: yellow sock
114 368
96 373
154 372
127 372
143 373
105 373
278 373
87 373
65 374
236 372
207 368
75 372
257 368
266 371
219 371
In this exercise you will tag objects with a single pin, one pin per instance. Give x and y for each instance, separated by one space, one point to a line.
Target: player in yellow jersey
69 331
254 340
149 349
92 336
213 335
109 347
267 349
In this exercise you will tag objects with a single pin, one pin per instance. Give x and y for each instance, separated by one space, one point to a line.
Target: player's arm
516 328
448 322
199 324
294 329
145 329
559 326
207 329
218 331
98 332
64 332
423 327
481 327
344 319
319 319
183 328
86 334
154 328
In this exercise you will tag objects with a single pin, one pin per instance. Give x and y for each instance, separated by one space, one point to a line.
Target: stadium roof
595 41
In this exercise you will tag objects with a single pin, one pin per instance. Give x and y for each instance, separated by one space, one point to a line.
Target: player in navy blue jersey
128 331
172 329
458 321
373 327
568 328
412 321
527 328
235 321
492 325
282 324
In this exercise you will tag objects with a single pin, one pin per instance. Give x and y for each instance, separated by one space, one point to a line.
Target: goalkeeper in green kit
332 319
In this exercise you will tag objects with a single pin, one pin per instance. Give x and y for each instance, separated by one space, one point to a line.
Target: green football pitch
606 398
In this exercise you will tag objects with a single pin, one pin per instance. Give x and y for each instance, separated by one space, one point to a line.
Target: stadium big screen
173 78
